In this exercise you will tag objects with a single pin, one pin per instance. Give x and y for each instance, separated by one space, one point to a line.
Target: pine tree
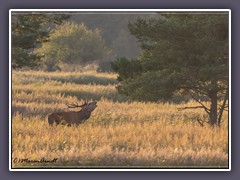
181 52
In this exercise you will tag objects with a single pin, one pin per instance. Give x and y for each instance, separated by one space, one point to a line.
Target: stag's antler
75 105
72 105
85 101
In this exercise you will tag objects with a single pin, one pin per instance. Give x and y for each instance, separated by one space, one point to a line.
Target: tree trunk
222 108
213 108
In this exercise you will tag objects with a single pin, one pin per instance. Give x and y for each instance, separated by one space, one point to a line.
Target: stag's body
72 117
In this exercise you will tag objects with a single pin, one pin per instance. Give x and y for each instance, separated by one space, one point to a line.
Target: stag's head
89 106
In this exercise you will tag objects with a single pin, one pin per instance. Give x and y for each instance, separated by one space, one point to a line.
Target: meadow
120 133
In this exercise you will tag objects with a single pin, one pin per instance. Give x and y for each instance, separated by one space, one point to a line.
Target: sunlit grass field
119 133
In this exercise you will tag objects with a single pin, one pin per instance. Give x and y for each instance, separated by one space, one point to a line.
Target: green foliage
114 28
180 52
131 68
28 32
74 43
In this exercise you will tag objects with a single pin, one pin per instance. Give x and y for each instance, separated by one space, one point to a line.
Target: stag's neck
84 113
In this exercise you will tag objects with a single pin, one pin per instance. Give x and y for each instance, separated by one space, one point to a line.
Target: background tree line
50 39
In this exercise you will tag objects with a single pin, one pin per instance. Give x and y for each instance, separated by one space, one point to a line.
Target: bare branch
205 108
200 122
194 107
200 92
225 108
195 88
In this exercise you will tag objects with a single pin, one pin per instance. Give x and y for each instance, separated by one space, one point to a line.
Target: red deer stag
73 117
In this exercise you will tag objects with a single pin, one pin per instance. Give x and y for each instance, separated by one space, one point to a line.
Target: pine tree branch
193 107
225 108
200 122
203 106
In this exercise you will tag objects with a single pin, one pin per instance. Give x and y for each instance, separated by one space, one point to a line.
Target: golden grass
119 133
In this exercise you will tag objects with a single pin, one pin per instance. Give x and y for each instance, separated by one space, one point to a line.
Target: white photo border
117 168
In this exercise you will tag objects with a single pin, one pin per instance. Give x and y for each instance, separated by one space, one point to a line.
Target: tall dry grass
118 134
